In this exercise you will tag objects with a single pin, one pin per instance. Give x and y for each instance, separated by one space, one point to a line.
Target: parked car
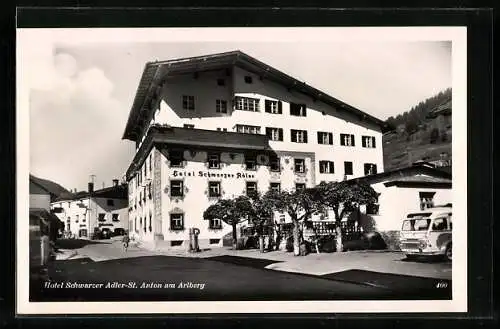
427 233
105 233
119 231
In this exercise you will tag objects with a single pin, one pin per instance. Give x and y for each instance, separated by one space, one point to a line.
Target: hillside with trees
421 134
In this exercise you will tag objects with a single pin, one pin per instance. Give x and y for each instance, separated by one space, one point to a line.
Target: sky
81 92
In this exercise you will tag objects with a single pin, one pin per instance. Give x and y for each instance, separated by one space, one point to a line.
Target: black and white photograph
241 170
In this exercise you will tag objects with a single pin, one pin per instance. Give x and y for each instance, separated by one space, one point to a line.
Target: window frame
248 129
213 157
221 106
250 158
219 188
171 156
302 109
351 140
329 169
368 141
276 160
180 193
295 133
303 186
247 184
303 166
275 184
115 217
247 104
367 170
273 106
272 132
188 103
172 220
212 226
321 138
350 163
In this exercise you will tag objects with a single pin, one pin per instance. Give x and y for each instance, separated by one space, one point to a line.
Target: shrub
391 239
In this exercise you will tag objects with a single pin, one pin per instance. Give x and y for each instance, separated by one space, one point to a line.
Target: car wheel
448 253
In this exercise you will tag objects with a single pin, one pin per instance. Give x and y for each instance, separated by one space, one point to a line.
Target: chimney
91 187
115 182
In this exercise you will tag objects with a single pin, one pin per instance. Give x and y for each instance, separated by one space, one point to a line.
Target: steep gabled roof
418 173
112 192
55 190
154 72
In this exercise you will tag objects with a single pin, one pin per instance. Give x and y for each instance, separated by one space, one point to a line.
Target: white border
27 40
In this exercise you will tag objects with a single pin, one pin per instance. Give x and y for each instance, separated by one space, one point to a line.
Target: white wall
77 216
206 91
396 202
41 201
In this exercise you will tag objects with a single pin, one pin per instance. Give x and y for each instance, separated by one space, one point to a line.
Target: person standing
126 241
46 248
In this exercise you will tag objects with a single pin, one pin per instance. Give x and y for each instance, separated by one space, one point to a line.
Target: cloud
76 125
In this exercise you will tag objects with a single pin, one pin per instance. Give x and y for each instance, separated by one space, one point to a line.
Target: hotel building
223 125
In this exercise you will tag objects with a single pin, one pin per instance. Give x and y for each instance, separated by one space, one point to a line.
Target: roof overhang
196 139
155 73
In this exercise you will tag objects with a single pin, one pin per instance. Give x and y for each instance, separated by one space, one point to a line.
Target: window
346 140
110 202
299 136
114 218
368 141
274 107
188 126
150 223
348 168
176 188
274 163
325 138
214 190
248 79
221 129
275 134
299 165
426 200
250 162
176 222
101 217
188 102
221 82
150 162
76 219
282 218
372 209
176 243
370 169
300 186
439 224
214 224
251 188
213 160
220 106
298 109
214 241
276 187
247 104
176 158
326 167
246 129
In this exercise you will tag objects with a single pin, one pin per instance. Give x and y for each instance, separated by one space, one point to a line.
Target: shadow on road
244 261
75 243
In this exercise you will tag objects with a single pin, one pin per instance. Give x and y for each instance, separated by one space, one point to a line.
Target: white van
427 233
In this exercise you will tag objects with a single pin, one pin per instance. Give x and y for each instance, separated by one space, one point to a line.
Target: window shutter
330 138
305 136
363 141
319 137
294 137
321 167
280 107
342 140
332 164
268 106
373 142
352 140
281 134
268 132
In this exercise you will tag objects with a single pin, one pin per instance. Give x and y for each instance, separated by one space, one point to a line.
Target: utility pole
90 233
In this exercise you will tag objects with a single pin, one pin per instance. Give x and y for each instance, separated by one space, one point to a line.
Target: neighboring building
39 195
403 191
441 116
53 189
223 125
84 212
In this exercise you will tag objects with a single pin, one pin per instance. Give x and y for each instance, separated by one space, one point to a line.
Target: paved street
222 274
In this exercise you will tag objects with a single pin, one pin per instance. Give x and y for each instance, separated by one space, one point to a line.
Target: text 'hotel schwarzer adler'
224 125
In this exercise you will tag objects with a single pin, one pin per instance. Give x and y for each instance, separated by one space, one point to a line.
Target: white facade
395 202
82 215
197 101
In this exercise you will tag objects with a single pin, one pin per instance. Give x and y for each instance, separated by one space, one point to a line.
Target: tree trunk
261 243
234 237
338 231
296 239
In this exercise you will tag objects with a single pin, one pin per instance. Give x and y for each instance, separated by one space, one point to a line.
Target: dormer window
248 79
